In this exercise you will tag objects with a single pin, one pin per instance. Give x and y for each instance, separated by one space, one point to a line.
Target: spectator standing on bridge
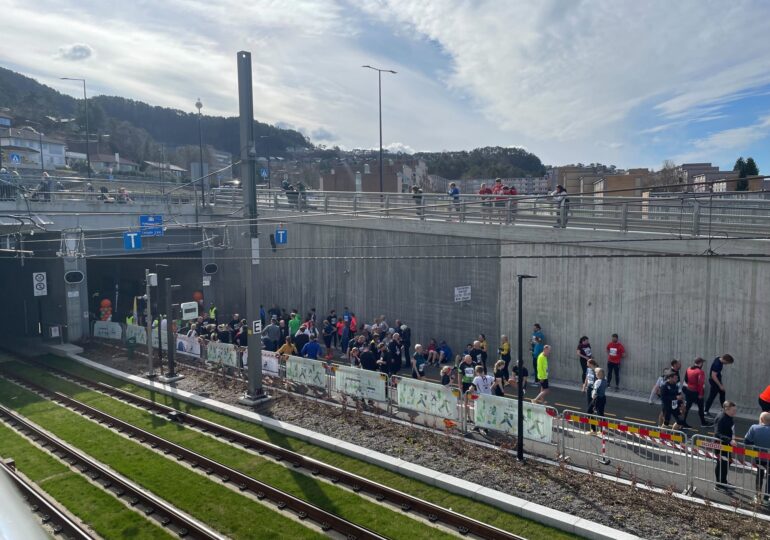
542 374
764 400
561 202
725 432
499 190
715 380
615 353
588 382
454 195
486 206
584 355
759 435
418 200
694 383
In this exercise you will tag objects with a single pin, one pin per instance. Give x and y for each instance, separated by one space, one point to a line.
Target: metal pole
248 154
199 105
88 145
42 167
520 364
148 311
379 94
267 142
170 339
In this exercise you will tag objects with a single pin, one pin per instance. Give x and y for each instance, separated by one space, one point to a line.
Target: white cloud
76 52
719 143
399 147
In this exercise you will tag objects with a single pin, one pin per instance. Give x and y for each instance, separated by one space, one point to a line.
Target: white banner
361 383
428 398
139 333
188 345
108 330
499 413
164 337
223 353
306 371
271 362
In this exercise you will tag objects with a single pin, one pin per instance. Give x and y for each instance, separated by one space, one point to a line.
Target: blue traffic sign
151 225
15 159
263 172
281 236
132 240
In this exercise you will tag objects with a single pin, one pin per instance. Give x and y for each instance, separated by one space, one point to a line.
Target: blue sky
611 81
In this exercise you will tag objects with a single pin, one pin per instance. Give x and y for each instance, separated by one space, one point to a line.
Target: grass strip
477 510
328 496
101 511
221 508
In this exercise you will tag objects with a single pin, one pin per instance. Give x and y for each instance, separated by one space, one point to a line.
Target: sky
617 82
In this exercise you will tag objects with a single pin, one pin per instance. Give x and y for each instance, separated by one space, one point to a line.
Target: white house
24 147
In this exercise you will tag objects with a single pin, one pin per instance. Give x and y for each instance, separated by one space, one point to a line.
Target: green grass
221 508
101 511
480 511
332 498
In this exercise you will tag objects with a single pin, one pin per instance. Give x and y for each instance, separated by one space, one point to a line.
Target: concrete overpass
649 273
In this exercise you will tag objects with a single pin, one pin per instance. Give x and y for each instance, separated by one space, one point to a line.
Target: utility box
189 310
152 279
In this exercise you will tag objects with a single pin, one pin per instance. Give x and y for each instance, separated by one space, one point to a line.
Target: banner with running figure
271 362
108 330
222 353
501 414
188 345
428 398
361 383
138 333
306 371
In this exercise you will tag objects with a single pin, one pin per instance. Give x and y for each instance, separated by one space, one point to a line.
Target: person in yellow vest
130 319
213 312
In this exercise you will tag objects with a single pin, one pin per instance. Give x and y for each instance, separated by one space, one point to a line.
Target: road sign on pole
257 326
281 236
132 240
263 172
40 284
151 225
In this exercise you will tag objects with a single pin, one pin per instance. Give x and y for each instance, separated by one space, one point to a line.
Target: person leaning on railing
759 435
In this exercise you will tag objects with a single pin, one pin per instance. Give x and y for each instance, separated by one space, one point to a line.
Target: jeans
713 394
610 368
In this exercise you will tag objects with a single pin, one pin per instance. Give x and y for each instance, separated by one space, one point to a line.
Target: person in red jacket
694 383
499 190
764 400
486 206
615 353
511 192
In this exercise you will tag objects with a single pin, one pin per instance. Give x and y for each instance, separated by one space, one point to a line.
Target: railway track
303 510
164 513
408 503
50 515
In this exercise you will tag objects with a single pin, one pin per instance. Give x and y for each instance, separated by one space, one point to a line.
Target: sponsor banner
428 398
361 383
501 414
306 371
138 333
188 345
271 362
108 330
223 353
164 337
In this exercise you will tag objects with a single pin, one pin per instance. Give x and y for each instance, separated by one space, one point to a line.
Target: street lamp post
199 106
520 364
379 87
85 105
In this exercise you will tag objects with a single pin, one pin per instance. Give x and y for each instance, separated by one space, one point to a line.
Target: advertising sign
306 371
428 398
499 413
107 330
222 353
138 333
361 383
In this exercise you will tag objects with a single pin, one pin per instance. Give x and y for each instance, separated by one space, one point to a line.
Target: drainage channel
434 513
327 521
150 505
50 515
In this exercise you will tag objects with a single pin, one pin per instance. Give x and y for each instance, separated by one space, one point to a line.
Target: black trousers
713 392
610 368
723 464
692 398
669 410
583 368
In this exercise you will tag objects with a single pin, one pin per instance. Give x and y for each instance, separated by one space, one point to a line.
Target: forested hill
133 126
487 162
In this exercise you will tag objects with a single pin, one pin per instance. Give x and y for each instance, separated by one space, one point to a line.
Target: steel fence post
508 212
387 205
624 217
326 203
695 218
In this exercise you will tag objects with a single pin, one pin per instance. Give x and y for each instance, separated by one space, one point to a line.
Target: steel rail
434 513
167 515
50 515
282 500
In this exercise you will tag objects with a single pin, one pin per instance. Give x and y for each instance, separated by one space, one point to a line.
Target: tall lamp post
520 364
199 106
379 86
85 104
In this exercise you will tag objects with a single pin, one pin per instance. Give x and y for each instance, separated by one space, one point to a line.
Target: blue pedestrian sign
132 240
263 172
16 159
151 225
281 236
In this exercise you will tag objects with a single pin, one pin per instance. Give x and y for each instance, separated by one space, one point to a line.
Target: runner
669 395
588 382
694 380
615 353
715 380
598 395
542 374
465 373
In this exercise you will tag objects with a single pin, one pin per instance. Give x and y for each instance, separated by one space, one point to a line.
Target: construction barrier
633 450
739 469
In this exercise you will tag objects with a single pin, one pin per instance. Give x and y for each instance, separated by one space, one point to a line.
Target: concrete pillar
75 300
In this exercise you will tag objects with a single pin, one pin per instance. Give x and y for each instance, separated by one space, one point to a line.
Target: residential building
113 164
630 183
24 148
167 169
223 165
